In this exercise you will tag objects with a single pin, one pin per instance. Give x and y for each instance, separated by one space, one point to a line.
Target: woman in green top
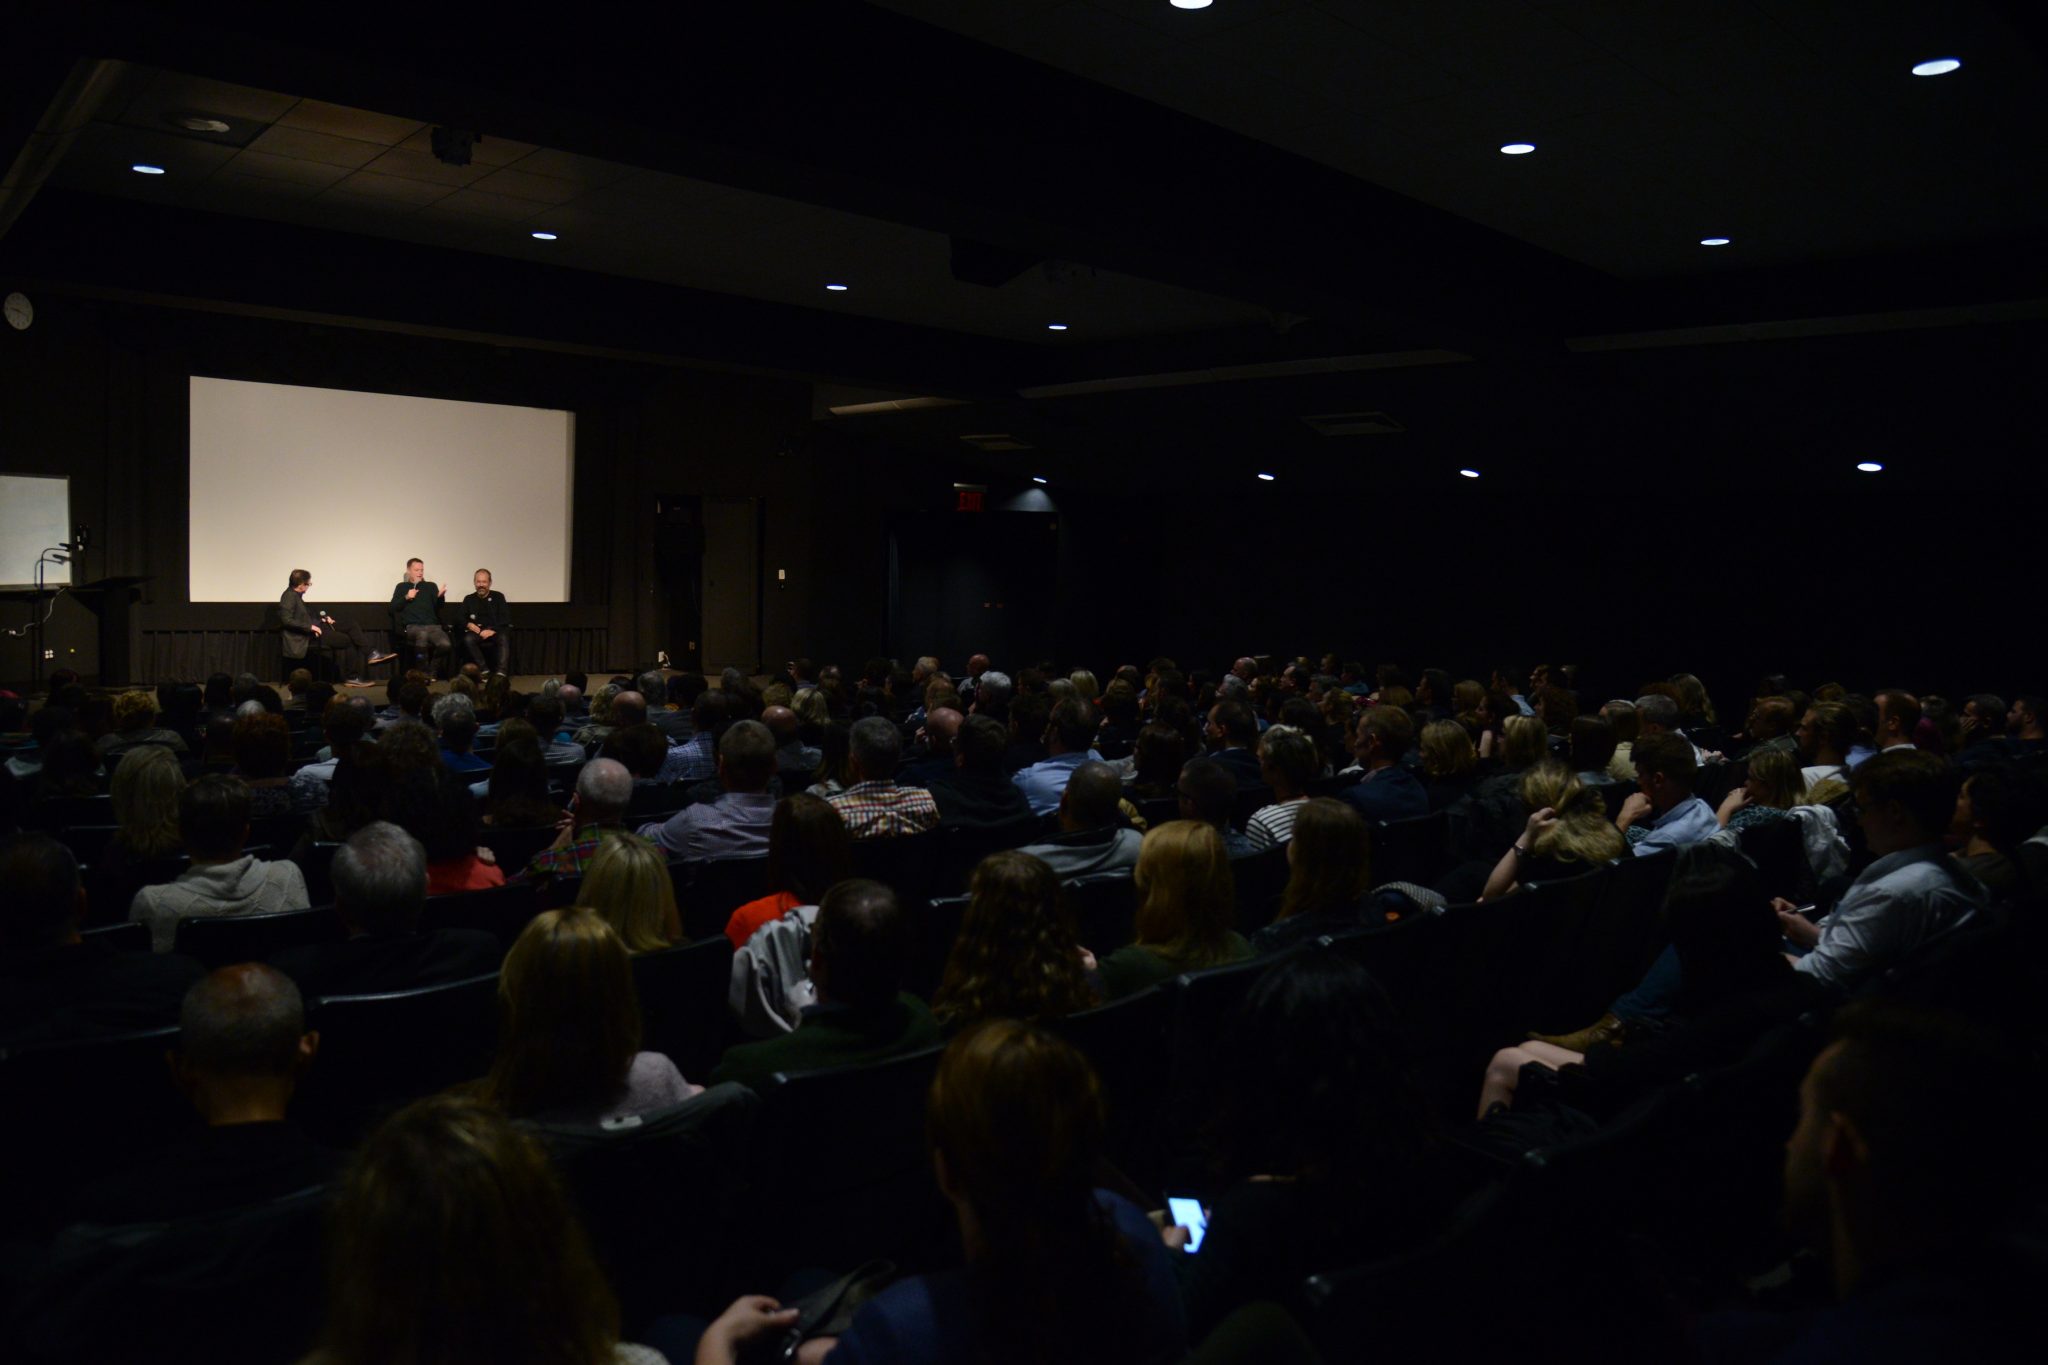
1186 900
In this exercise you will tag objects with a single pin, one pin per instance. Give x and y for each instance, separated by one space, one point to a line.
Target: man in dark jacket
487 627
305 630
416 616
978 792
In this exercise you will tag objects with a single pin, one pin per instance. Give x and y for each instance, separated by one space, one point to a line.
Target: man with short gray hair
736 824
603 790
874 807
454 718
242 1047
992 698
380 892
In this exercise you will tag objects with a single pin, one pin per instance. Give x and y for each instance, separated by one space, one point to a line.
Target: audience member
454 717
1387 790
696 758
516 795
978 793
435 807
603 790
629 886
1995 813
1056 1268
1186 902
1208 793
859 956
1593 746
56 986
263 751
1567 833
735 825
135 714
1155 764
1911 894
1770 789
1450 766
242 1047
1015 956
1069 738
795 760
1664 813
145 791
380 894
1092 836
1288 762
213 816
441 1218
1327 877
808 853
343 721
569 1029
874 807
546 715
1825 736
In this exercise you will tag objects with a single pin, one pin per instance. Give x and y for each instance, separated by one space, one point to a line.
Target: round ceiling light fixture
1055 326
544 237
1937 66
1265 478
835 288
144 168
1191 4
1518 149
197 123
1870 467
1714 241
1469 473
1038 478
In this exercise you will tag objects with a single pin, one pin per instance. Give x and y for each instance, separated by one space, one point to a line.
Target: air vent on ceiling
996 440
1353 424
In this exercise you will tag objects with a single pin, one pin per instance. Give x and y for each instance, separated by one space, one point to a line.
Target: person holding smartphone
487 627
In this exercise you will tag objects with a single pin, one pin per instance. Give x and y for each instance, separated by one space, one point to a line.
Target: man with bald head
977 664
1092 837
603 791
242 1047
795 760
941 724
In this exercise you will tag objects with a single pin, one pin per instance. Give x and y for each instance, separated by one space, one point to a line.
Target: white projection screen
350 485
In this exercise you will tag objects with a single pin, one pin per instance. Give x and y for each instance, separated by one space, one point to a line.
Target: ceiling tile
475 203
268 166
588 171
359 125
164 92
308 145
425 166
542 189
391 189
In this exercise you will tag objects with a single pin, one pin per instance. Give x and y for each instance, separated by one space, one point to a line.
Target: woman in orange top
807 853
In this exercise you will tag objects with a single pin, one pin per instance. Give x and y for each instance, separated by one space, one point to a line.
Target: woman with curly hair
1016 956
1568 832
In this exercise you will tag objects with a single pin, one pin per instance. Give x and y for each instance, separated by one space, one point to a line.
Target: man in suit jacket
380 890
304 631
487 627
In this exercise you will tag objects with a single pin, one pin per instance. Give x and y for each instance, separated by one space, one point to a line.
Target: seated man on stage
487 627
305 629
415 615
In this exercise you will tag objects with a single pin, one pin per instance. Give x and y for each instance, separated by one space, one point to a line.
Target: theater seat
654 1192
218 940
841 1172
1126 1042
682 1003
708 892
502 910
1105 906
378 1052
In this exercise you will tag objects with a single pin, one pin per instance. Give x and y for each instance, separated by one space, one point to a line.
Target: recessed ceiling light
836 288
1055 326
543 236
1518 149
1265 478
1713 241
1938 66
1191 4
198 123
1038 478
1469 473
141 168
1870 466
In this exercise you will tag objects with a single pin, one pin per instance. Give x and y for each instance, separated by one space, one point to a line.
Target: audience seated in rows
977 792
736 825
213 817
242 1047
135 716
808 854
1187 899
1016 956
860 947
56 986
603 791
1327 877
380 894
1386 789
569 1029
1288 762
874 806
629 886
1092 837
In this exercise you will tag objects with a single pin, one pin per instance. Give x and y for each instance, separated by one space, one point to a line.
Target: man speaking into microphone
487 627
415 616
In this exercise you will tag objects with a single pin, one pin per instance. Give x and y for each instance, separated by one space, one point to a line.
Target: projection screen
350 485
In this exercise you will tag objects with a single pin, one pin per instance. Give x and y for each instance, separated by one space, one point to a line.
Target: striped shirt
883 810
1272 826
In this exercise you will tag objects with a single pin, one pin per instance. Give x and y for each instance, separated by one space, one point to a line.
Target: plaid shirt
572 859
695 759
883 810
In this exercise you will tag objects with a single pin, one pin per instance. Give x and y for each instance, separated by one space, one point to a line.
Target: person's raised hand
1175 1236
1733 802
1540 821
444 590
411 593
1636 807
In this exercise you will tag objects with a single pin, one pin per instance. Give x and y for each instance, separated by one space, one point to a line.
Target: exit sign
968 499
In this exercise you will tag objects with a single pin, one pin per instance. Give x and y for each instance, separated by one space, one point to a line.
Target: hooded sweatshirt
245 886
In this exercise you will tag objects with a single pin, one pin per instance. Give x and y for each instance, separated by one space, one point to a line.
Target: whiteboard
348 485
35 514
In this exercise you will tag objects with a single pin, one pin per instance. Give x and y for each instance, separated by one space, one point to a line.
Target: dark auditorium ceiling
1243 216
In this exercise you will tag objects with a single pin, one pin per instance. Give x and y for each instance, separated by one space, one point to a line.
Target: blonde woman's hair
1779 775
1447 749
145 791
810 706
1186 895
629 886
133 710
1527 741
569 1016
1583 833
1085 684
